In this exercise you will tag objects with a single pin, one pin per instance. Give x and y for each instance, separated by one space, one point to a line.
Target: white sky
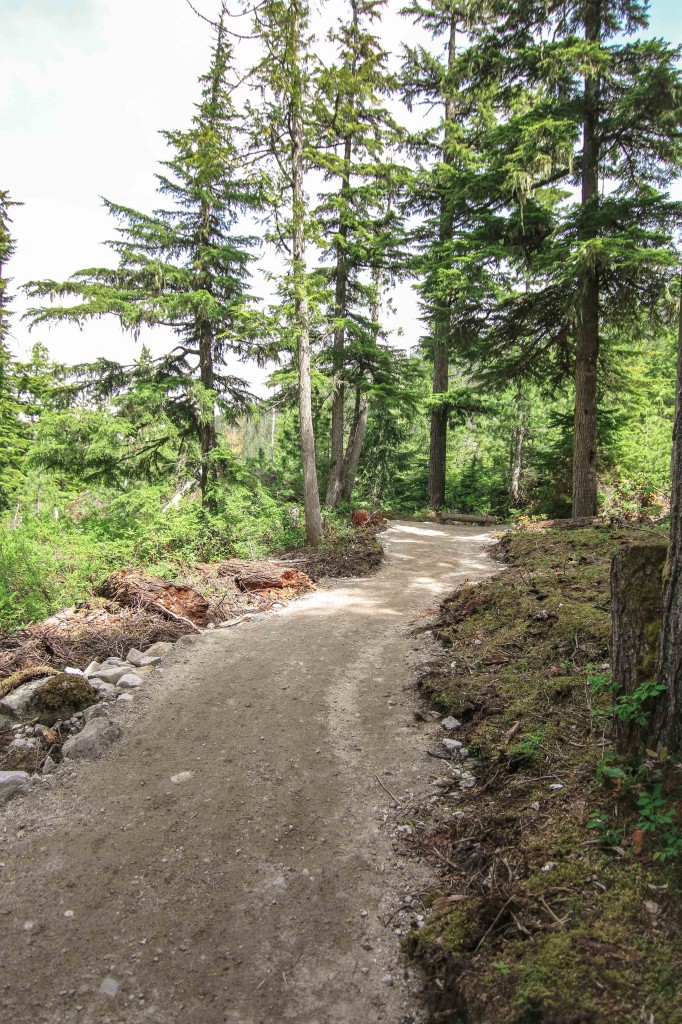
85 86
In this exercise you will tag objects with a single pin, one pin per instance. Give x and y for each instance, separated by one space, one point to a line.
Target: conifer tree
281 124
355 223
579 105
12 439
184 267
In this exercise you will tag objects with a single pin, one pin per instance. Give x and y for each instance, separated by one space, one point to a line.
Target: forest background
114 463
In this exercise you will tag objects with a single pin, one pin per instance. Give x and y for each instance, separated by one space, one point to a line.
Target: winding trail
254 891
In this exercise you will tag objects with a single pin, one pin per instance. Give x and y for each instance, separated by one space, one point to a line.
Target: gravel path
252 889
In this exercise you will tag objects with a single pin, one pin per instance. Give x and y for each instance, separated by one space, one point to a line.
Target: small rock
24 746
125 697
451 745
138 659
182 777
549 866
130 681
160 649
92 668
94 711
109 986
556 785
13 784
48 765
95 738
535 805
653 908
387 979
104 689
451 723
112 673
6 723
464 753
113 663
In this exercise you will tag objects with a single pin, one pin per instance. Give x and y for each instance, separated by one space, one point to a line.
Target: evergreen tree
578 104
185 267
355 223
12 434
281 130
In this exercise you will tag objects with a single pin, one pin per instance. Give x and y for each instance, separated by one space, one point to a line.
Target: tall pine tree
184 267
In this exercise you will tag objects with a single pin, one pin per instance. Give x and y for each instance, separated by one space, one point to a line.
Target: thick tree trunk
335 482
636 603
668 718
311 497
355 442
587 324
440 382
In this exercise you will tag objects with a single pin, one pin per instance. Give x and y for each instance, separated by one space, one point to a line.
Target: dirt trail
253 892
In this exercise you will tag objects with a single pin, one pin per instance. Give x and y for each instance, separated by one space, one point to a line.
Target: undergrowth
561 881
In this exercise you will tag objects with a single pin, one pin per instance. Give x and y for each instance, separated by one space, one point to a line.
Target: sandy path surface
254 891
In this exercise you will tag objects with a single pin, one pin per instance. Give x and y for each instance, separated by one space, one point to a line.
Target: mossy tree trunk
636 608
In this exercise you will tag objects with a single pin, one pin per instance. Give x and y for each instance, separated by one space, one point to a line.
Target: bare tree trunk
440 380
334 483
587 326
668 718
518 435
208 431
636 602
355 442
311 497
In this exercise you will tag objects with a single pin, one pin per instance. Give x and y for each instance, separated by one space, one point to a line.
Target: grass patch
560 912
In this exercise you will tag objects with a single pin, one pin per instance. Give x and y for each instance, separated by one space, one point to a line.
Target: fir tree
185 267
12 434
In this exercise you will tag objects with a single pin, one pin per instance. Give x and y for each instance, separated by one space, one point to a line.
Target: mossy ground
549 922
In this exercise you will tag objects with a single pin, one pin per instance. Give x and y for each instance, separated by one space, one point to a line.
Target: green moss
61 697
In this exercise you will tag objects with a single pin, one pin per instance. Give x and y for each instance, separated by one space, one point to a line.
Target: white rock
109 986
182 777
556 785
451 723
92 668
138 659
48 765
125 697
13 784
104 689
451 745
130 681
93 740
387 979
24 745
112 673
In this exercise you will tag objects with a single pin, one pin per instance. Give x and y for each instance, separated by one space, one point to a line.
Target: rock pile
65 715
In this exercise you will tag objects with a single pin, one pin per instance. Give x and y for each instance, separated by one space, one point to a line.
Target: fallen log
255 579
132 588
462 517
565 524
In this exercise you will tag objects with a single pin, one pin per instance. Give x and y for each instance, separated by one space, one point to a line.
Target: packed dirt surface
256 888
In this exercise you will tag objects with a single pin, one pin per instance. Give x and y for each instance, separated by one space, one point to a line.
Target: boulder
94 711
111 673
17 702
96 737
58 698
6 723
13 784
130 681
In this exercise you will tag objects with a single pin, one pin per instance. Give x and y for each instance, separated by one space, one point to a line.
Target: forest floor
560 893
234 857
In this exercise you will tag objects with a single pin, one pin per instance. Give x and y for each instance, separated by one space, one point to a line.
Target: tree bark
440 381
208 431
355 442
636 604
518 435
668 717
311 497
587 320
335 482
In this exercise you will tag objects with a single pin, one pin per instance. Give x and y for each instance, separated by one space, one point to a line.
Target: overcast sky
85 86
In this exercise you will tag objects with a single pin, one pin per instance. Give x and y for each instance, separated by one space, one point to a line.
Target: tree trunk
355 442
208 431
668 718
587 321
311 497
335 482
636 603
440 381
518 435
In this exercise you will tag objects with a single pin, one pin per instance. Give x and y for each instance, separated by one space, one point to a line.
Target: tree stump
636 610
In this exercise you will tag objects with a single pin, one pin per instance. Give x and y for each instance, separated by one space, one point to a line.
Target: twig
487 933
171 615
393 798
